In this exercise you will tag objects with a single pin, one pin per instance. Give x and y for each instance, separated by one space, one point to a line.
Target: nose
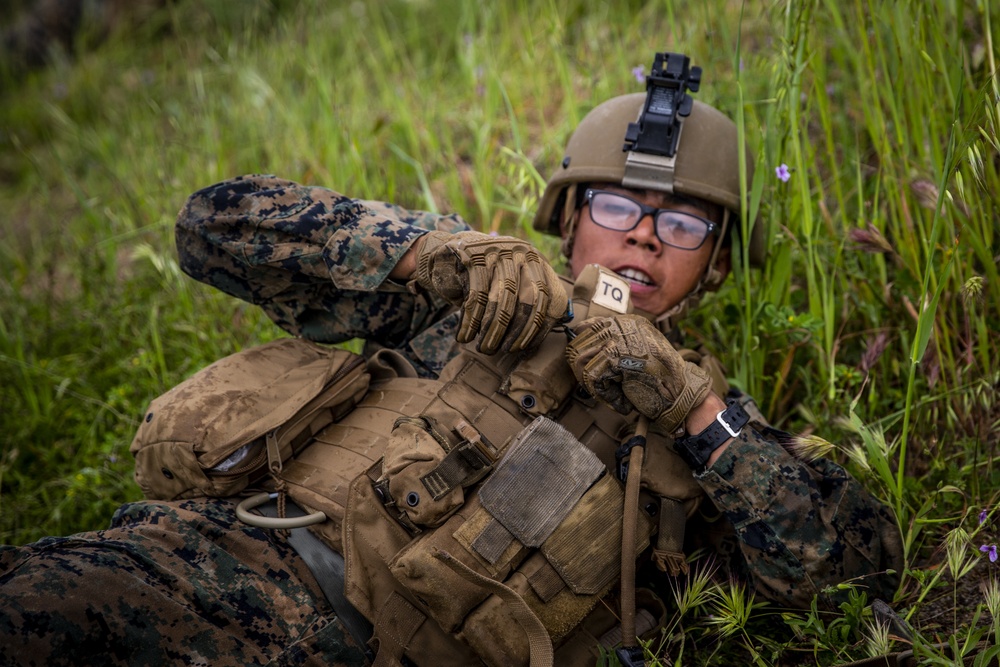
644 235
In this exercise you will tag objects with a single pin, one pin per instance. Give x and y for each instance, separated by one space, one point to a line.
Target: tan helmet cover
706 166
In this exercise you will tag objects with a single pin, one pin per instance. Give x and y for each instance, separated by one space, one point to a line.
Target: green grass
873 326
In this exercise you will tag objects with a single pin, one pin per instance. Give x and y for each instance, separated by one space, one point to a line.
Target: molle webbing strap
395 624
492 542
374 471
539 644
462 466
577 419
546 582
669 551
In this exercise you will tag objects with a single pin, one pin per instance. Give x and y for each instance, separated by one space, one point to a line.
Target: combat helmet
659 140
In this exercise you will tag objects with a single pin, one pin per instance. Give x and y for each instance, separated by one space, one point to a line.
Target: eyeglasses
674 228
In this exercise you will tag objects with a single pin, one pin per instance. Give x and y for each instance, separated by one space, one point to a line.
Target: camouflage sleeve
802 527
315 261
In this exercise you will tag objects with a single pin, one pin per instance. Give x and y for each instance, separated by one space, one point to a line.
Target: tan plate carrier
478 514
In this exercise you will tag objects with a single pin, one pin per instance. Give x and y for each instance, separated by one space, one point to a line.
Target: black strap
462 466
327 566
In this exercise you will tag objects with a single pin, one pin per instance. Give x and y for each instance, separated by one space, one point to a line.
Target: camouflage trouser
169 583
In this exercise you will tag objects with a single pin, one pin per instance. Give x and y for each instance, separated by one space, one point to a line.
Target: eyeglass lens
675 228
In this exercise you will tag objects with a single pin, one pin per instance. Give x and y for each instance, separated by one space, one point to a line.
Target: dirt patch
950 607
953 606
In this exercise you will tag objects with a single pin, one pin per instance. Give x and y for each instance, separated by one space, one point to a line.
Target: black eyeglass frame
645 209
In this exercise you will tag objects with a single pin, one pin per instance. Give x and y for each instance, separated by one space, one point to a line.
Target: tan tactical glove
509 295
626 362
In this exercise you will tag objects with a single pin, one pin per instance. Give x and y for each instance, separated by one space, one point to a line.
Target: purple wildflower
639 72
783 173
991 549
982 517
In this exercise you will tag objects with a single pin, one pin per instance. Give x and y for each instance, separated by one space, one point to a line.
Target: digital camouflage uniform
181 583
318 264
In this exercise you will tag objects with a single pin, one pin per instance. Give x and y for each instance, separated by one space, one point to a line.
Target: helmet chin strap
569 214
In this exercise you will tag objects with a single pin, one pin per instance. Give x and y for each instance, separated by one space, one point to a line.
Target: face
660 275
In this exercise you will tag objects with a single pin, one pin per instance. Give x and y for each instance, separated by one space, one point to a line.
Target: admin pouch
235 421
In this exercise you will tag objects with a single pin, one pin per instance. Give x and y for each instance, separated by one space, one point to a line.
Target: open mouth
635 276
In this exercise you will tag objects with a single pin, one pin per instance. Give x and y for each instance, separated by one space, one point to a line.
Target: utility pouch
540 383
239 418
419 458
432 459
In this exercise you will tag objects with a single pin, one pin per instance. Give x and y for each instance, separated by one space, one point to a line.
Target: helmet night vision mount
667 103
652 140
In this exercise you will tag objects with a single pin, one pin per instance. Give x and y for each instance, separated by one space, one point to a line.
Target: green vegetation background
874 326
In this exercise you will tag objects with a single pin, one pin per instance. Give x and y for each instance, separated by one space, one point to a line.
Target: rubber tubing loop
247 504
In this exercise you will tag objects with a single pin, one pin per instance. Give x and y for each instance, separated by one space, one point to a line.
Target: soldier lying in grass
472 503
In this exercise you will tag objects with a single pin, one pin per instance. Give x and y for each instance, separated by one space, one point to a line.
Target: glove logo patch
630 364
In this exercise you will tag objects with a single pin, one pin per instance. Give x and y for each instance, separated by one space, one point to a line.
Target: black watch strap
697 449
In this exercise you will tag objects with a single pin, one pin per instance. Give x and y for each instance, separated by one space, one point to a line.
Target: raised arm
794 527
317 262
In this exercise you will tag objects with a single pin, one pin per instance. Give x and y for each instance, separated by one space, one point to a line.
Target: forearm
701 416
802 527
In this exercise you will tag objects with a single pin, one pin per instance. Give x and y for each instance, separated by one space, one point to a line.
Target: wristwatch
697 449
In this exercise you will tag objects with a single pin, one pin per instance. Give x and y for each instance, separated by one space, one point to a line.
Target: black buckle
624 451
630 656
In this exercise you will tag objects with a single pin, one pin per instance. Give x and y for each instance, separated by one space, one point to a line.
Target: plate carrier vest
479 514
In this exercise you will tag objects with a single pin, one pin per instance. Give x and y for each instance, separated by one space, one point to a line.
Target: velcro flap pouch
206 435
539 480
550 491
